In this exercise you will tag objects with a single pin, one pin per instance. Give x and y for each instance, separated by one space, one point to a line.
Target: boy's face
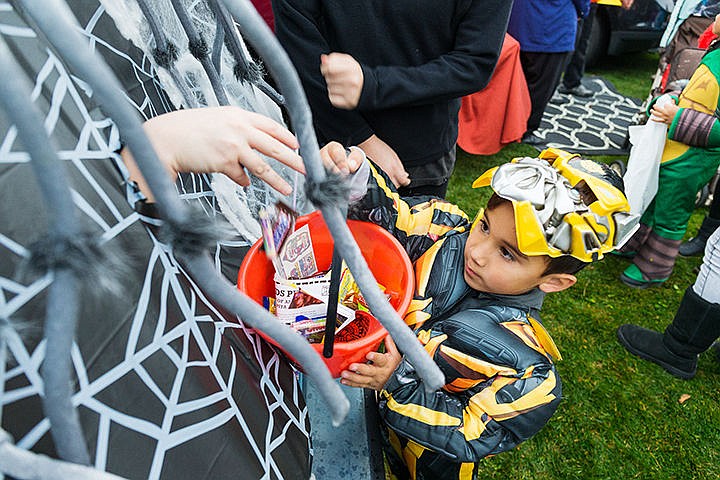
493 262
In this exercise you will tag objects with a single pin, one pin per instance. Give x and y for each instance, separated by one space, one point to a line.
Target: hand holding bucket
386 258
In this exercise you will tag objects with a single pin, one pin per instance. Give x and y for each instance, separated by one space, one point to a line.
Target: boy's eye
507 254
484 226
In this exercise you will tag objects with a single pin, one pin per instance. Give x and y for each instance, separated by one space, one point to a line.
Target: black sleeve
297 28
463 70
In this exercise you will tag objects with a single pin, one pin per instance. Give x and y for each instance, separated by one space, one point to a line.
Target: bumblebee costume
501 386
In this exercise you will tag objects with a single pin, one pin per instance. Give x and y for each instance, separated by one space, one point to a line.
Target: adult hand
626 4
336 158
385 157
664 113
344 78
219 139
377 371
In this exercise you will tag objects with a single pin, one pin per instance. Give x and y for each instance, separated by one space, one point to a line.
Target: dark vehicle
616 30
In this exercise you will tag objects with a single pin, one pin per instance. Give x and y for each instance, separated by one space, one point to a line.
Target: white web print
193 342
594 125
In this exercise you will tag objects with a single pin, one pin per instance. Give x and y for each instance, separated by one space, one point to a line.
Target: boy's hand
664 113
377 371
337 159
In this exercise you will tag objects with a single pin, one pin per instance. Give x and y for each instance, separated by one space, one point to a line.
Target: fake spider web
163 376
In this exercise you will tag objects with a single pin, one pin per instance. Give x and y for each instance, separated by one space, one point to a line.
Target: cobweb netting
167 384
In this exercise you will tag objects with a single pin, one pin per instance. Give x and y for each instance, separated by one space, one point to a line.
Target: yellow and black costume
501 382
502 386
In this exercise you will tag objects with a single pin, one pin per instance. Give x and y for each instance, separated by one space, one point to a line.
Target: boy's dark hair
562 264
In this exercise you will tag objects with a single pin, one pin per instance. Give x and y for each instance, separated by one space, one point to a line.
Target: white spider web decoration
167 385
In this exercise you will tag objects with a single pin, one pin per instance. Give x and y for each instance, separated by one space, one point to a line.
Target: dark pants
576 66
542 73
431 178
714 211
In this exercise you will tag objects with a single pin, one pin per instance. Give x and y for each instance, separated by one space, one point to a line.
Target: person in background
689 19
710 223
389 76
689 160
571 83
693 330
546 31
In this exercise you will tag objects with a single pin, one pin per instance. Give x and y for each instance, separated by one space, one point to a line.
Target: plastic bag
641 176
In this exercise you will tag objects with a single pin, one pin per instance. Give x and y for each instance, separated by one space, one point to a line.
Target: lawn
621 417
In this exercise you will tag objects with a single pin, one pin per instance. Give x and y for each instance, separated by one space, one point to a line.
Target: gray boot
693 330
696 245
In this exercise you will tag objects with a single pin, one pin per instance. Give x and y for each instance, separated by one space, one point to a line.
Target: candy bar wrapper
302 304
297 255
277 223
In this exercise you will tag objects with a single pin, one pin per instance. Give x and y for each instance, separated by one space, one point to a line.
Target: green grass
620 417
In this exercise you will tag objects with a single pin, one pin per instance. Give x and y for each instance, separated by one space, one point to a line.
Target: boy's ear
557 282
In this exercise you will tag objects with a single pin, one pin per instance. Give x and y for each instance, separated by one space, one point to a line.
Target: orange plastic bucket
386 258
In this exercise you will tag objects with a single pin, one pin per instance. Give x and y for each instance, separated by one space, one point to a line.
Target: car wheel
598 41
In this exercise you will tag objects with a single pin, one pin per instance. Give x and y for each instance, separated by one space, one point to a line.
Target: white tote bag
641 176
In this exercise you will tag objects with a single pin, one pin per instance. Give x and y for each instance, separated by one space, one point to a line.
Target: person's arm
297 29
694 128
499 391
296 26
219 139
463 70
582 7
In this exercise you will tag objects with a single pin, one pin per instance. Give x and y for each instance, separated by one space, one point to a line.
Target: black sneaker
558 99
579 91
531 139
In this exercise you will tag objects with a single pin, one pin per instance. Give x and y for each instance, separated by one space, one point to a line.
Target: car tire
598 41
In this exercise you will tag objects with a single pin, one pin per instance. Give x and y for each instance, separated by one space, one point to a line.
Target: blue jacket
546 26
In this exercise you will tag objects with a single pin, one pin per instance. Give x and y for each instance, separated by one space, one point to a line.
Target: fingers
362 375
390 346
355 159
274 129
334 158
273 140
401 178
259 168
344 78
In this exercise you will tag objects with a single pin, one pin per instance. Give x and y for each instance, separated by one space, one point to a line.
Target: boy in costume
479 289
690 159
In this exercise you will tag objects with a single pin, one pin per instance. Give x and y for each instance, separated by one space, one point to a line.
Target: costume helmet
563 204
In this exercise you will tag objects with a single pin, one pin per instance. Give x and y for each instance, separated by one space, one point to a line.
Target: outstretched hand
377 371
219 139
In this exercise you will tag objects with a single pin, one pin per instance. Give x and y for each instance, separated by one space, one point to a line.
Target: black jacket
418 58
